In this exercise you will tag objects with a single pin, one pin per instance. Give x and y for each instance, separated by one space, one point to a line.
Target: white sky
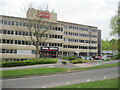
88 12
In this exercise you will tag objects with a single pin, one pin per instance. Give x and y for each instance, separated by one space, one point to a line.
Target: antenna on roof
47 8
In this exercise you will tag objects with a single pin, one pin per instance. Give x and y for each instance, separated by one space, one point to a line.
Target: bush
28 62
78 61
67 58
64 62
71 58
117 56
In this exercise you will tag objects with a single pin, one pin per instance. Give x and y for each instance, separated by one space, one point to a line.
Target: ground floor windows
12 59
13 51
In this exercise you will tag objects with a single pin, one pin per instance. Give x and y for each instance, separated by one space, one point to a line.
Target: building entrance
49 52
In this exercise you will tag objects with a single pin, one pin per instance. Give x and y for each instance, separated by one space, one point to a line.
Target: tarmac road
60 79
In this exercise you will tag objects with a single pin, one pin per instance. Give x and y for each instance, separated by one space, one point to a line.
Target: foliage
65 58
77 61
114 25
117 56
64 62
69 58
109 44
28 62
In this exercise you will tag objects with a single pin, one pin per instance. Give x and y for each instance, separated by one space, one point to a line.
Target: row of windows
27 33
10 59
55 44
22 24
8 51
94 30
77 28
78 34
80 47
80 41
56 36
5 41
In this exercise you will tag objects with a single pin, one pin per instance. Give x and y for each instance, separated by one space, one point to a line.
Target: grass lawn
108 83
40 71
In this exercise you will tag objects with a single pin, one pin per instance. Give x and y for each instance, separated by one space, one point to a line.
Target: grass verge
41 71
108 83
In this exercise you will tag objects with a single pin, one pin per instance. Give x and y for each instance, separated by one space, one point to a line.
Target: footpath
60 65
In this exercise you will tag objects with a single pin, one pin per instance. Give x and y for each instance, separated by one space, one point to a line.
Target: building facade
70 38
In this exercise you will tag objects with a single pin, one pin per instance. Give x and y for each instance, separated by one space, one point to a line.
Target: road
59 65
60 79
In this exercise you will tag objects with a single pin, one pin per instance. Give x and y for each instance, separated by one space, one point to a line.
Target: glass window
3 50
16 32
5 22
1 31
15 51
12 32
8 32
7 51
8 41
4 31
11 50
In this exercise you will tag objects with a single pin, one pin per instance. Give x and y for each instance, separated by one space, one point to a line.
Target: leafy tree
39 29
114 25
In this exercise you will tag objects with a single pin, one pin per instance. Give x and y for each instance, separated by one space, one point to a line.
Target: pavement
48 81
60 65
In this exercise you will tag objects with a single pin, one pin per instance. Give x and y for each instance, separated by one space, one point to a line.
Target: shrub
28 62
71 58
67 58
117 56
64 62
75 61
78 61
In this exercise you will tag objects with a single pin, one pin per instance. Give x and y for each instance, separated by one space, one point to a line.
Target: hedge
28 62
69 58
78 61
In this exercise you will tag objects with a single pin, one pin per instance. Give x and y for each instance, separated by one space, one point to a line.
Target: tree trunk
36 53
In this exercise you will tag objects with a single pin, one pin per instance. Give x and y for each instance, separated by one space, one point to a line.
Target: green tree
105 45
114 25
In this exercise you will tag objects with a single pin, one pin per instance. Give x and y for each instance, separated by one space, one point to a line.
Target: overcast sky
88 12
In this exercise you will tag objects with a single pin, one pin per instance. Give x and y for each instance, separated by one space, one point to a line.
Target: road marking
44 86
88 80
67 83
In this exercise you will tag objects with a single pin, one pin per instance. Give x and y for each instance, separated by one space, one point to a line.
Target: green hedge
78 61
69 58
28 62
64 62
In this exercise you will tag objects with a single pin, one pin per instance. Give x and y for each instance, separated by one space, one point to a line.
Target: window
4 32
1 31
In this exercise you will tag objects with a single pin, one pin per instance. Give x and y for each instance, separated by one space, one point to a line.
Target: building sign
49 48
45 15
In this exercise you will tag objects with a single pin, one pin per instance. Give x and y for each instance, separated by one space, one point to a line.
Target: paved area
60 79
60 65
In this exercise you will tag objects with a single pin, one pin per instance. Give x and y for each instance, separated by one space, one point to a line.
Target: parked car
88 58
104 58
97 57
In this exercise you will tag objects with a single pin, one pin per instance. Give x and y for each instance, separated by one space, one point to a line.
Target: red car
97 57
